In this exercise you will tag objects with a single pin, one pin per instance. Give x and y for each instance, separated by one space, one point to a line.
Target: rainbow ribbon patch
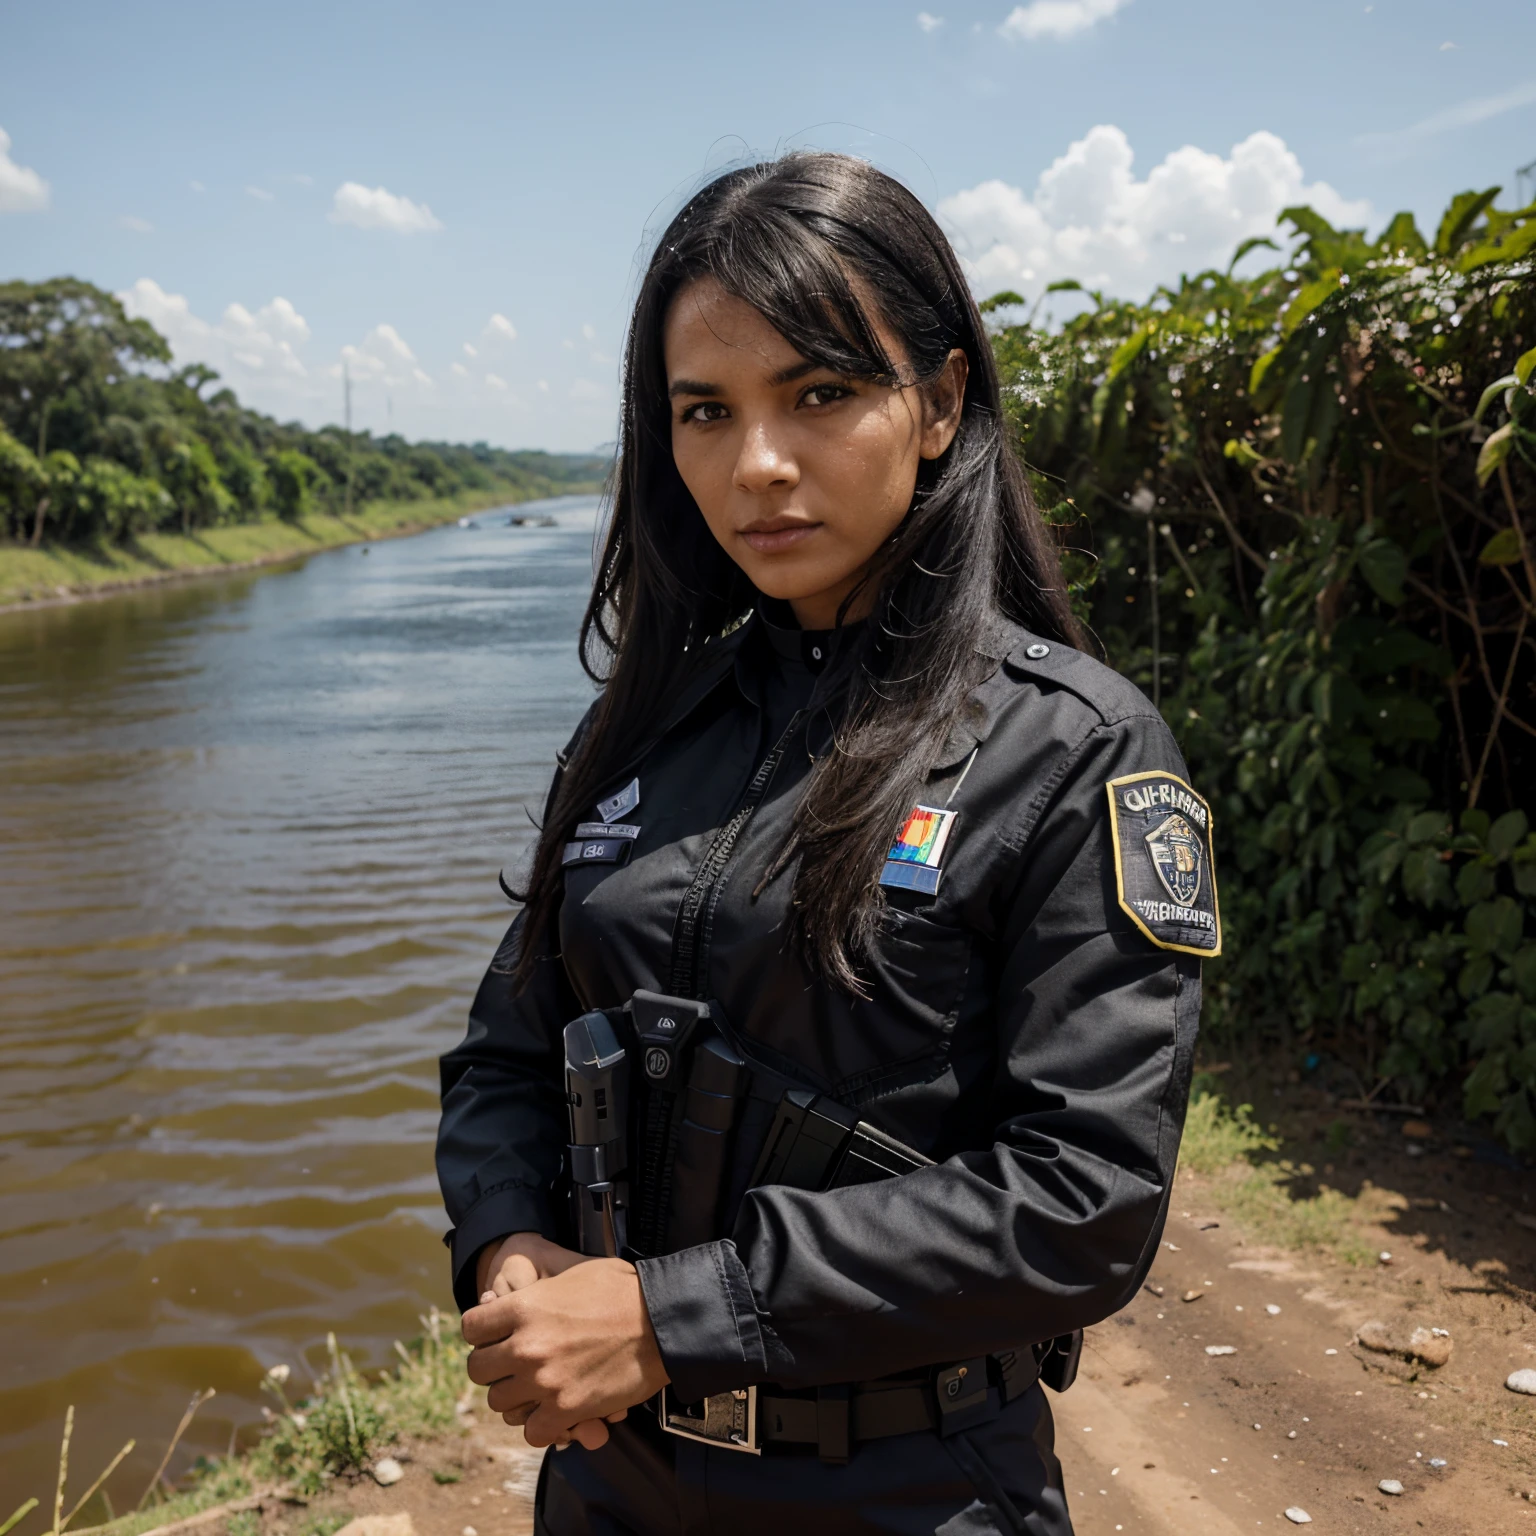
913 862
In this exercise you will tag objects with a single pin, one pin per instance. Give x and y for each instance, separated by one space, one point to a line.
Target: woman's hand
519 1260
561 1354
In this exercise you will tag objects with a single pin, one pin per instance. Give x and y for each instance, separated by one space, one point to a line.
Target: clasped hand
562 1341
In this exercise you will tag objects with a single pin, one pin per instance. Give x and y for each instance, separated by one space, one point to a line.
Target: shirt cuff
497 1213
707 1325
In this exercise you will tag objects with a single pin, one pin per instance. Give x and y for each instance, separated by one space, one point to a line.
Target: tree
293 475
63 344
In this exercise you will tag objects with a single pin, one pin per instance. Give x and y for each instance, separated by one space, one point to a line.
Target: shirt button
816 653
1035 652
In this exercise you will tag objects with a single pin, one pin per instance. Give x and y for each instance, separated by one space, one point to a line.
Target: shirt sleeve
501 1140
1052 1222
503 1130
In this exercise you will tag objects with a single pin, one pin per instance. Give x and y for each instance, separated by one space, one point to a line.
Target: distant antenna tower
1525 184
346 391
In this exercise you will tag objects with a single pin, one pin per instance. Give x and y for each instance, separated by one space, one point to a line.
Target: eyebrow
783 376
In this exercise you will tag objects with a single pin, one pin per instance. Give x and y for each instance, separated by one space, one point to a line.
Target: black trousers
999 1479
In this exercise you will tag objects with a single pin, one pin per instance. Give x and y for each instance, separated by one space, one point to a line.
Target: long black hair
810 241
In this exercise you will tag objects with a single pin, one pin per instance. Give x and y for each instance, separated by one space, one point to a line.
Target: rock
1390 1485
1522 1381
379 1525
387 1470
1419 1130
1193 1295
1376 1336
1429 1346
1155 1290
1298 1516
1383 1257
1220 1349
1273 1310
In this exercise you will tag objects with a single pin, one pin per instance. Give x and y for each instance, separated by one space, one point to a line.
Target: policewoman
897 896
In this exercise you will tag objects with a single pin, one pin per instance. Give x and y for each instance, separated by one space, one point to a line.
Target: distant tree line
101 439
1300 510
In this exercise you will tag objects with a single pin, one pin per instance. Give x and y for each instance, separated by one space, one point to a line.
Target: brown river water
249 835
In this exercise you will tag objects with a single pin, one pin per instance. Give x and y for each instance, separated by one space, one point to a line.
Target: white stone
387 1470
1522 1381
1390 1485
1221 1349
1298 1516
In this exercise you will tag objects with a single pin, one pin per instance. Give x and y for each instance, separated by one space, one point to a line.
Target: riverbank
58 573
1235 1386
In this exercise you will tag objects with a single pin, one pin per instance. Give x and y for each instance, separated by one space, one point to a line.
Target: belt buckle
728 1420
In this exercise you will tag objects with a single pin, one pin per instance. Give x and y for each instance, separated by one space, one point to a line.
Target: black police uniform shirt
1029 1025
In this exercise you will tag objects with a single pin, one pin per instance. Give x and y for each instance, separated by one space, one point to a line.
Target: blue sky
285 186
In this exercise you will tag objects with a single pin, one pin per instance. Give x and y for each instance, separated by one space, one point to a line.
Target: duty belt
832 1420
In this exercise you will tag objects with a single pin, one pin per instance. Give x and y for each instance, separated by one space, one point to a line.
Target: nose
764 463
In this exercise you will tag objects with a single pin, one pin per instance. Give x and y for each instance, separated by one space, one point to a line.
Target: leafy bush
1298 509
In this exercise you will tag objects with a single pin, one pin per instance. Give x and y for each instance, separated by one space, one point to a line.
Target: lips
775 535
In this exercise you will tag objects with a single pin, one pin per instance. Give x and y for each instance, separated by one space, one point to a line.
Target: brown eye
825 394
705 411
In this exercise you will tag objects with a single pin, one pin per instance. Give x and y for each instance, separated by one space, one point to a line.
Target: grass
60 570
342 1427
1231 1159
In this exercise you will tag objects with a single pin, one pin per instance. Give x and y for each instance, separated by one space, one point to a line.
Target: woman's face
801 474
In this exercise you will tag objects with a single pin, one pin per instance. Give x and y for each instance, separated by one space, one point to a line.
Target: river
250 829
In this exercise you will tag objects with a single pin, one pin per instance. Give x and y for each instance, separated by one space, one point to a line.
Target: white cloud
929 23
376 208
543 386
1090 218
197 186
1465 114
471 351
22 190
251 352
499 325
1057 18
384 355
589 333
261 194
137 225
495 381
459 369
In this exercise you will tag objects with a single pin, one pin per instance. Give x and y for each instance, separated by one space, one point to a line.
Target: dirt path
1161 1439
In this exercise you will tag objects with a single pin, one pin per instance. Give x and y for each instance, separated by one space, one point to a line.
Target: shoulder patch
1165 875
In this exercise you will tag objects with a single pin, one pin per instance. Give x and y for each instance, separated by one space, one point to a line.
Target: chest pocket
919 969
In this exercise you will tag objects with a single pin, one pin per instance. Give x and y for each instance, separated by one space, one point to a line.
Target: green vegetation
348 1421
343 1426
1227 1150
59 569
1302 506
104 448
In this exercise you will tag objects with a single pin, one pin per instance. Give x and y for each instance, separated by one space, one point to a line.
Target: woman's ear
943 400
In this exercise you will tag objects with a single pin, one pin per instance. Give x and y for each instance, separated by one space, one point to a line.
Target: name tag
596 850
591 829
